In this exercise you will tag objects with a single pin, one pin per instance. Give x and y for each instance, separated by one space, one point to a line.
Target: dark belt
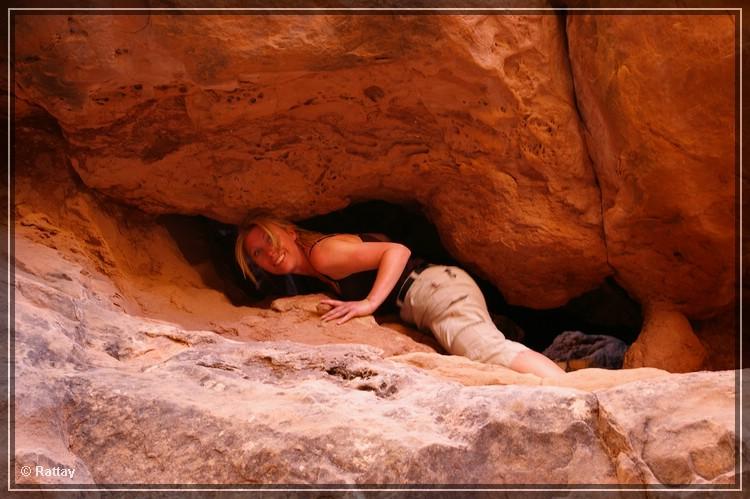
408 282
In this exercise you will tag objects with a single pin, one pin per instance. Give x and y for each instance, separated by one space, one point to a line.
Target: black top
357 286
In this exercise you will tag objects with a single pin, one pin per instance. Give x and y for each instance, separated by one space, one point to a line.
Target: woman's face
278 259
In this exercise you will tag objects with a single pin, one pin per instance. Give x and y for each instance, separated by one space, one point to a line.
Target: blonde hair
305 239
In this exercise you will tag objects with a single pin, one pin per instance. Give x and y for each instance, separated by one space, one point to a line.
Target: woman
368 273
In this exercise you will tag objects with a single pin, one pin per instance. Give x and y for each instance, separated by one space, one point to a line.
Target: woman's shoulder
327 252
331 242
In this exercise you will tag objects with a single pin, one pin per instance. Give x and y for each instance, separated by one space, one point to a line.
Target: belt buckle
406 285
399 301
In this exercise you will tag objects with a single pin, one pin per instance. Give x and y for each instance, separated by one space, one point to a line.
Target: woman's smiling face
276 252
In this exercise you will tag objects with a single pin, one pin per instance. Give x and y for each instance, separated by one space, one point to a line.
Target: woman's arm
339 257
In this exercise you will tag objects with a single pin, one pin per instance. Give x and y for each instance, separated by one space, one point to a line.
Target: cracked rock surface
128 399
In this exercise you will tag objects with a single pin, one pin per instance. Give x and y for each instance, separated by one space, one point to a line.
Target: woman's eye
256 253
268 239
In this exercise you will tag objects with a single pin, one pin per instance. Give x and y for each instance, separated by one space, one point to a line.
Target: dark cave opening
606 310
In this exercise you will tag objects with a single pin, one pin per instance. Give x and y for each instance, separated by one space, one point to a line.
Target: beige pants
447 301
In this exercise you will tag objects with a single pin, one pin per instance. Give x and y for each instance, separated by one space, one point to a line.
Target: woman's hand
345 310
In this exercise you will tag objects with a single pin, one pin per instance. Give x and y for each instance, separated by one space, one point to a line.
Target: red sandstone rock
471 117
121 375
720 337
667 341
657 95
165 113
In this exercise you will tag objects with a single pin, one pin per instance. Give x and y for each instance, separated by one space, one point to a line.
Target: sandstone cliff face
471 117
657 94
132 367
661 133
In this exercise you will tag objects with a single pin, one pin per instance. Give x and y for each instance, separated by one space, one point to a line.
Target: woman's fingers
335 313
327 307
345 318
344 310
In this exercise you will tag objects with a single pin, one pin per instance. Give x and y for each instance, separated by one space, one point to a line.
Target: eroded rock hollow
552 155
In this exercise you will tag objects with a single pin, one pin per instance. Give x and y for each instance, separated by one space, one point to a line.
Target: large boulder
471 117
642 423
658 97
